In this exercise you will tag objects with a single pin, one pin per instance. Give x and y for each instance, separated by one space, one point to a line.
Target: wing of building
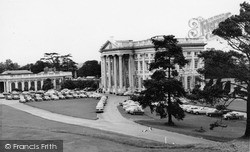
125 64
24 80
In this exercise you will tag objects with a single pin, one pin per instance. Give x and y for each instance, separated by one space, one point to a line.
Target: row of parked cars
212 112
100 105
132 107
28 96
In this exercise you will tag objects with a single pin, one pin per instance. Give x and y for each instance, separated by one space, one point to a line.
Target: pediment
108 45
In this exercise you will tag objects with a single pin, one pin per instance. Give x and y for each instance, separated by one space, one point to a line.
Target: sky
30 28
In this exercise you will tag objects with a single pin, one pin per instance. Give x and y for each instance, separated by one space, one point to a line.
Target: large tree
164 88
60 62
90 68
235 64
8 65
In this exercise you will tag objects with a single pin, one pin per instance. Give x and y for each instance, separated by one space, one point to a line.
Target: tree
90 68
47 84
236 31
8 65
163 87
60 62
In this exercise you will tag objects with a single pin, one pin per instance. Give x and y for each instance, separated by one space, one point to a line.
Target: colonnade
117 73
20 84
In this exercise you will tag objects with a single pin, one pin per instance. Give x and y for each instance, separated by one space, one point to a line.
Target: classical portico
125 64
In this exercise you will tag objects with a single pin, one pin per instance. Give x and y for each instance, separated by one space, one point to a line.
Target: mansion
24 80
125 64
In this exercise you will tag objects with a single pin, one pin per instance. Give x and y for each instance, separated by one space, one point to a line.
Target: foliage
163 87
60 62
234 64
47 84
90 68
8 65
80 84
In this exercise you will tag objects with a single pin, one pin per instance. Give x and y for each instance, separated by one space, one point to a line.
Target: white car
233 115
190 109
185 107
130 104
202 110
133 108
82 95
22 99
127 102
54 97
99 107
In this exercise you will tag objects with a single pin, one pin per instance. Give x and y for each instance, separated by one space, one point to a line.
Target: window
188 53
196 63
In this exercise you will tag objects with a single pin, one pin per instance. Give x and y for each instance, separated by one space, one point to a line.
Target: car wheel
197 113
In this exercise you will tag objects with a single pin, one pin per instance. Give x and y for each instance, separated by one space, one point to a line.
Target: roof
112 45
16 72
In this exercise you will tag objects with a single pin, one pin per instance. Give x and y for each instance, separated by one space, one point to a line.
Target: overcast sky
30 28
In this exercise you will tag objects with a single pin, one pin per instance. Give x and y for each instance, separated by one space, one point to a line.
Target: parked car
69 96
28 98
9 97
134 109
75 95
61 96
22 99
233 115
46 98
190 109
202 110
38 97
99 107
2 96
217 113
54 97
82 95
15 97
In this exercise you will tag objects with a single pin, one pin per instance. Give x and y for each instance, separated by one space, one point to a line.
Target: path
110 120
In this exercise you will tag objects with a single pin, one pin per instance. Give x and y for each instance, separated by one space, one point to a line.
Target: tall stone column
120 74
131 72
35 85
41 84
29 85
54 83
185 82
109 74
16 85
104 73
22 85
115 74
10 87
143 67
4 86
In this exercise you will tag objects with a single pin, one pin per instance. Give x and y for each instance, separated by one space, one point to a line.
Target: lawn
191 125
18 125
81 108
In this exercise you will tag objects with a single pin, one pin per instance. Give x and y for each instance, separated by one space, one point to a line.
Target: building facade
25 80
125 64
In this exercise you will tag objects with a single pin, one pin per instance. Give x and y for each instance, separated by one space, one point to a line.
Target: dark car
217 113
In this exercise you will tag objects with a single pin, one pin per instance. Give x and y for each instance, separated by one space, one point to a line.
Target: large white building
24 80
125 64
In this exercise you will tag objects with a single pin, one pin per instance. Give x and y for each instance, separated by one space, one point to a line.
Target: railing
148 42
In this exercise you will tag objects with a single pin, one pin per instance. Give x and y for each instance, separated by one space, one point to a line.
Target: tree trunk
170 121
247 132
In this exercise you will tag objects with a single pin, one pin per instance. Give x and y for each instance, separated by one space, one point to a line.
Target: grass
192 123
81 108
18 125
